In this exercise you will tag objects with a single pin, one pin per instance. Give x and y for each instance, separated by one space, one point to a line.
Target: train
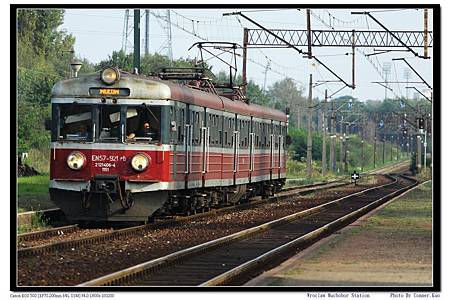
128 147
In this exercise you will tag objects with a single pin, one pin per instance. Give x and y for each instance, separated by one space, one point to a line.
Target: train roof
146 88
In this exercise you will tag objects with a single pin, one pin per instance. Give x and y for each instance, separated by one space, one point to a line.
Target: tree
286 93
150 63
43 56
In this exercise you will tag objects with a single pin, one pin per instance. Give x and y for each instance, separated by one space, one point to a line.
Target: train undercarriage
107 200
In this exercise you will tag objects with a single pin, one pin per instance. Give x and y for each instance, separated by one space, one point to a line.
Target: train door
272 148
280 145
235 146
213 148
179 160
188 127
205 145
243 157
252 149
229 149
194 149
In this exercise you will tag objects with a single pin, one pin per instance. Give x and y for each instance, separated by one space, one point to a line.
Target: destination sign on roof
109 91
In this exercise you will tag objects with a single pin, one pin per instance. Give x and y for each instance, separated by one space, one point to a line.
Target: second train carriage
198 149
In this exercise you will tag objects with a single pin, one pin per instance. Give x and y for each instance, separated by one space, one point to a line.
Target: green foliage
150 63
43 55
38 222
32 186
257 95
39 158
44 52
286 93
31 133
298 145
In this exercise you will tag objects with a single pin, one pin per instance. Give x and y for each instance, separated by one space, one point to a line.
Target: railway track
67 240
41 234
55 214
40 242
234 258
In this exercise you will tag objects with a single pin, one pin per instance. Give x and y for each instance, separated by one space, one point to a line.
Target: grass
297 170
39 159
412 213
33 193
37 223
409 217
33 185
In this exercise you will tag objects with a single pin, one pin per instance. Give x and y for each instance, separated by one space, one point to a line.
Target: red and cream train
125 147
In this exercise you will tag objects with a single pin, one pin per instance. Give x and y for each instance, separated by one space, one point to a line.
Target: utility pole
324 135
392 145
425 145
309 141
169 36
341 153
265 75
425 32
384 141
410 141
147 30
125 31
419 147
333 138
362 155
386 72
375 148
353 58
362 147
308 29
345 149
137 42
244 61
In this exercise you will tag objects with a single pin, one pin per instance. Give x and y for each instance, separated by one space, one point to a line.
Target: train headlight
140 162
76 160
110 75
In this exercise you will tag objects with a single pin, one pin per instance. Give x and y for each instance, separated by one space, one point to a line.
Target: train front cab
109 161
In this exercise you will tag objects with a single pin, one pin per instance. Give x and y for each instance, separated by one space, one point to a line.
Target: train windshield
111 123
143 124
75 122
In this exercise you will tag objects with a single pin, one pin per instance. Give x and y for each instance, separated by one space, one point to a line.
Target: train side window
173 125
216 124
75 122
181 124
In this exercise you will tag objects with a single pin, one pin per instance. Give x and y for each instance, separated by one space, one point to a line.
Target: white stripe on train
153 147
137 187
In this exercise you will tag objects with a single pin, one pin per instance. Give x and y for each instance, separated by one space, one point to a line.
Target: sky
98 32
96 46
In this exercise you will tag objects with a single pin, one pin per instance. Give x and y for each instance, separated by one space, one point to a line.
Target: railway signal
355 177
421 123
405 132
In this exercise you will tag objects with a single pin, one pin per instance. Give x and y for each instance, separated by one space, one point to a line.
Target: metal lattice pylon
166 24
338 38
127 33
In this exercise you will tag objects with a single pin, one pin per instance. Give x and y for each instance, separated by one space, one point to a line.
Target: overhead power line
191 26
